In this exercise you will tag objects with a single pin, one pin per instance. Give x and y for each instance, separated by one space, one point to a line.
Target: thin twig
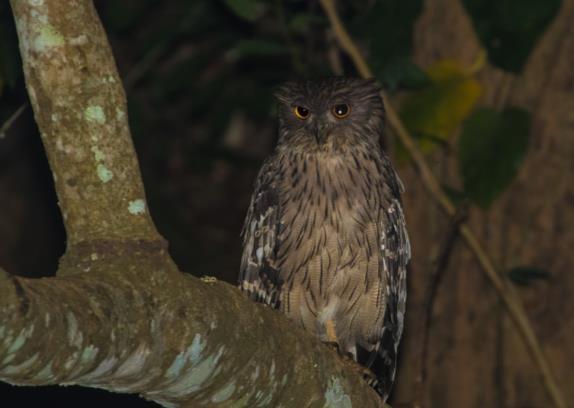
8 124
439 267
142 67
502 286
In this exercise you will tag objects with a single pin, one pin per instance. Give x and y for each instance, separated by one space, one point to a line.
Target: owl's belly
329 254
332 280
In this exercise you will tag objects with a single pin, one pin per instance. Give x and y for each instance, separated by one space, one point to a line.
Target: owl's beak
321 132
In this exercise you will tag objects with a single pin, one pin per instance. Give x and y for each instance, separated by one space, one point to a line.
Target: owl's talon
368 374
333 344
208 279
343 353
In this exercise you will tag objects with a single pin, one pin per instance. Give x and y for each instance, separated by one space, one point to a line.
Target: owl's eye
301 112
341 110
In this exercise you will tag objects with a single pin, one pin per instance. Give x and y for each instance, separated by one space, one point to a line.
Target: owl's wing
258 275
395 252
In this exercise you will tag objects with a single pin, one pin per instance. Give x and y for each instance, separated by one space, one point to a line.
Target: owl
325 239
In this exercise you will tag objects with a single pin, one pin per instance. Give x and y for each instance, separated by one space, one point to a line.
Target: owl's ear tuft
373 84
283 93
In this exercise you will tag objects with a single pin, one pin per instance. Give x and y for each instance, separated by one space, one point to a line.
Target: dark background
484 86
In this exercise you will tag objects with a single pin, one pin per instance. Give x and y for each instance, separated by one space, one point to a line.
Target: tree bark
476 358
120 316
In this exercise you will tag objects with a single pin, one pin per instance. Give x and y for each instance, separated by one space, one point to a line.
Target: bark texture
476 358
135 324
80 109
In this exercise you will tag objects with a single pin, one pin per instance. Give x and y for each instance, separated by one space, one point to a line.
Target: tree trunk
476 358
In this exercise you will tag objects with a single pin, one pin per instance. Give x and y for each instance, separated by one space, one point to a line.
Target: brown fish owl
325 239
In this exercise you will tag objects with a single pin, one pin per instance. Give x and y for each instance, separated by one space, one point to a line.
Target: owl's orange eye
341 110
301 112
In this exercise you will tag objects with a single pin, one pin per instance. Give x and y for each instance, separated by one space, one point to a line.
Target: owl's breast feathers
325 241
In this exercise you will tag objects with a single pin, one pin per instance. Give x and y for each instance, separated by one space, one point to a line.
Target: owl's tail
382 362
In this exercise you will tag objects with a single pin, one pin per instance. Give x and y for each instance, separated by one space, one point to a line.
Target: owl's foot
343 353
368 375
332 340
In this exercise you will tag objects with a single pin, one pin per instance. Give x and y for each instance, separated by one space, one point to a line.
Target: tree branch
137 325
80 108
10 121
502 286
120 316
439 267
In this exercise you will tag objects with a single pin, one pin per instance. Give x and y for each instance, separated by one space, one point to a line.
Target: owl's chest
337 192
329 239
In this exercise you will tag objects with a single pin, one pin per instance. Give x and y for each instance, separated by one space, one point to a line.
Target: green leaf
259 48
526 275
433 113
249 10
509 29
491 149
386 28
121 16
302 22
402 73
456 196
181 78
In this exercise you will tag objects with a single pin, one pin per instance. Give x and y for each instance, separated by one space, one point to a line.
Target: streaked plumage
325 239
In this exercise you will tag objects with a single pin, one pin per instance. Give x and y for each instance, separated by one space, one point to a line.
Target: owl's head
330 114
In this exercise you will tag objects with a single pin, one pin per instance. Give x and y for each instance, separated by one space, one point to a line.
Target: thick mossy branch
135 324
80 107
